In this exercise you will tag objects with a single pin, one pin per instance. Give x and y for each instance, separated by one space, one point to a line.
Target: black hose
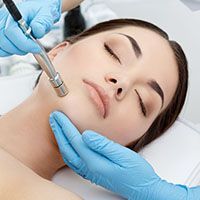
13 10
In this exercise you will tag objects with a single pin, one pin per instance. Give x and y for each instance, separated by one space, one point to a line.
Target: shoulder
49 190
20 183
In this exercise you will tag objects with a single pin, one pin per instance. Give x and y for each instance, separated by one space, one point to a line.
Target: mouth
99 97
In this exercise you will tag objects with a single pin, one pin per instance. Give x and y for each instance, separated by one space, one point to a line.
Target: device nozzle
59 86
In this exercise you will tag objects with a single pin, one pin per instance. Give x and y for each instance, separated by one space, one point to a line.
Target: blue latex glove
40 15
113 166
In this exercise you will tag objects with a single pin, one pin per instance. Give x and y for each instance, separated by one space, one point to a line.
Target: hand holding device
39 15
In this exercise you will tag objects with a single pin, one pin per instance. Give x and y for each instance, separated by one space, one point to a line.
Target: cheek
79 109
82 60
125 125
68 64
125 131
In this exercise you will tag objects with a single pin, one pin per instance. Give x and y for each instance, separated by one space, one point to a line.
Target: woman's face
134 67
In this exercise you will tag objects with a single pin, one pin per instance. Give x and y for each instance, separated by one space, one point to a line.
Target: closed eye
143 109
111 53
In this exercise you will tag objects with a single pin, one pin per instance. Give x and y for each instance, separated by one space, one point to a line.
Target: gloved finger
68 153
17 37
4 53
69 130
8 46
88 156
88 160
115 152
69 156
41 24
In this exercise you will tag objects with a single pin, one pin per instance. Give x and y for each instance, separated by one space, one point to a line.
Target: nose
119 83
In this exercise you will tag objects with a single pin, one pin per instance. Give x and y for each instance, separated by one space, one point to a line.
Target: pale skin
26 139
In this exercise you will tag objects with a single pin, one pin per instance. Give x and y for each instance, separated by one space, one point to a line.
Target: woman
138 71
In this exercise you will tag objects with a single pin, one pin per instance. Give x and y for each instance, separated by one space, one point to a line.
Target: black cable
13 10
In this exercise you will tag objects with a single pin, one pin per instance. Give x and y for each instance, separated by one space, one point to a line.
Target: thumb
115 152
41 24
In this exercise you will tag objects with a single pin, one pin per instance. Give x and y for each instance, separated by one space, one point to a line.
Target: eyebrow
156 87
152 83
135 46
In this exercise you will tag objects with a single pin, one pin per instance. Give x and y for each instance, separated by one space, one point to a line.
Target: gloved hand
40 15
111 165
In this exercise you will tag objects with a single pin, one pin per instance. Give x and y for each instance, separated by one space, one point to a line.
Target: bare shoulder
48 190
20 183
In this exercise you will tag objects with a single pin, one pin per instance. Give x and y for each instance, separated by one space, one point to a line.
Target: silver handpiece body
45 63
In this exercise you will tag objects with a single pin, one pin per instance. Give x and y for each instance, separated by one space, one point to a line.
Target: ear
57 49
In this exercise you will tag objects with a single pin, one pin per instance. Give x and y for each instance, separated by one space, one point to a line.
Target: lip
99 97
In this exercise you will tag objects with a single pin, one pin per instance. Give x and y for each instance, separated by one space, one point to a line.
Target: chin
76 114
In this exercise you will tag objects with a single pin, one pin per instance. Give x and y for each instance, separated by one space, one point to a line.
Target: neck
25 134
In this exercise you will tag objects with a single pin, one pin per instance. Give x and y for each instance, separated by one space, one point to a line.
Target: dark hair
171 112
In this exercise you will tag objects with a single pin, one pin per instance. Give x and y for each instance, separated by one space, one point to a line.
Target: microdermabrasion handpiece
42 58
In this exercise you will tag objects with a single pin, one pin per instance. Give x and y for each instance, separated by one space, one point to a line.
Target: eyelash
143 109
111 53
